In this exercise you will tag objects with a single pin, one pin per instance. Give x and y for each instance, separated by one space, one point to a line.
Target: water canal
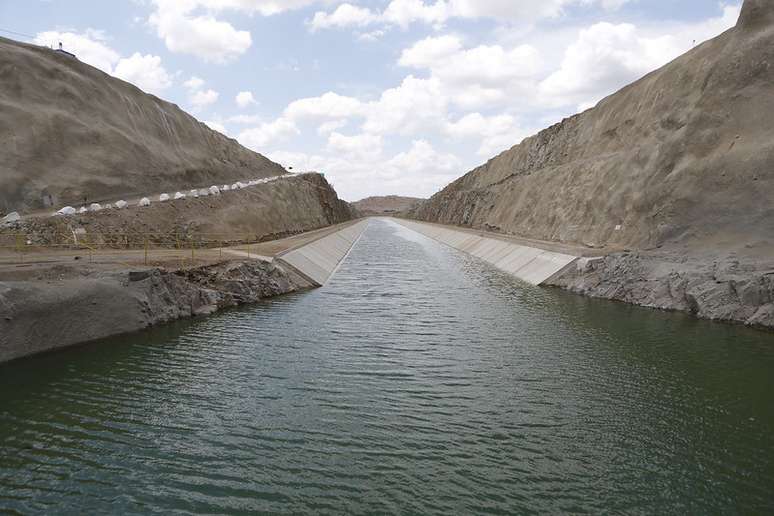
418 380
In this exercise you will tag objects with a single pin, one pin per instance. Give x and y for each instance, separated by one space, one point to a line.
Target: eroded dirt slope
70 132
684 156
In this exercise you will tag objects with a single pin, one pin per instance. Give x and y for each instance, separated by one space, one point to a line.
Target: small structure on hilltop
64 52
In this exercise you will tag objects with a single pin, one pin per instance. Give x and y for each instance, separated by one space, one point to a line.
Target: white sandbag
234 187
214 190
67 210
121 204
144 202
95 206
83 209
194 193
204 192
225 188
163 197
11 217
179 196
108 206
241 185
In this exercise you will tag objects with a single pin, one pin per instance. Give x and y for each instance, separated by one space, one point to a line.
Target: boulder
11 218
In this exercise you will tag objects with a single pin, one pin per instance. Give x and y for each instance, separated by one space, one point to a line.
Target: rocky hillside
683 156
373 206
70 132
293 204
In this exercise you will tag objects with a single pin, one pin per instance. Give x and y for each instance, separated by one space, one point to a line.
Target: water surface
419 380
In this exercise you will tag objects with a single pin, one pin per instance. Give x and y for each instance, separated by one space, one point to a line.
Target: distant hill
70 132
386 205
683 156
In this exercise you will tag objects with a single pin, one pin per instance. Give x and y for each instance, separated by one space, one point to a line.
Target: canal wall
317 261
724 290
75 307
529 264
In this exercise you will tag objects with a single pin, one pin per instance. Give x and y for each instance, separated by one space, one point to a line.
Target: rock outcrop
38 316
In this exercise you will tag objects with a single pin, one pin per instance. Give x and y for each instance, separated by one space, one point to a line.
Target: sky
383 96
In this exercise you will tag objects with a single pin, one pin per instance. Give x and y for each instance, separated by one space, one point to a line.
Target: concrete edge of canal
317 261
529 264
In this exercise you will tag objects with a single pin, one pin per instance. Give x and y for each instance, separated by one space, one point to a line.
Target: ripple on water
417 381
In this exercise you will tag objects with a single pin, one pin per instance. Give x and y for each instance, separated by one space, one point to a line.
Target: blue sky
385 97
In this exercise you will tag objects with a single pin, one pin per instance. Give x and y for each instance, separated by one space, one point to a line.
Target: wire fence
127 248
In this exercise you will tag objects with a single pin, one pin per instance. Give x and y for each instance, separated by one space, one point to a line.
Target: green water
417 381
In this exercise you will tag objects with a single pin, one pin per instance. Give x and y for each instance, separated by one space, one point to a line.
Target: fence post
19 243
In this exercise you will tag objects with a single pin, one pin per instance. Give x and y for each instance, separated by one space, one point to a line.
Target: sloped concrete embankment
529 264
318 260
38 316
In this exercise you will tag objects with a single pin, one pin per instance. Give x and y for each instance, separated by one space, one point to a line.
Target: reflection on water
418 381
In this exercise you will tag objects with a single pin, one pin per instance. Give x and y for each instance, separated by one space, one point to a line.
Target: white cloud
329 127
327 106
244 119
203 98
403 13
423 158
425 53
194 83
267 133
245 99
198 97
479 76
262 7
192 27
90 47
203 36
145 71
345 15
374 35
417 104
362 146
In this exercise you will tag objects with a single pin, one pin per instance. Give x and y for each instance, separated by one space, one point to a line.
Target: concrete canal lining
529 264
317 261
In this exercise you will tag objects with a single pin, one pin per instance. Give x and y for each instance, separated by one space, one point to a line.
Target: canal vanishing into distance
418 380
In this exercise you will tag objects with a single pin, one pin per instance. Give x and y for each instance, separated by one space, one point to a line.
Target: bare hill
386 205
70 132
683 156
